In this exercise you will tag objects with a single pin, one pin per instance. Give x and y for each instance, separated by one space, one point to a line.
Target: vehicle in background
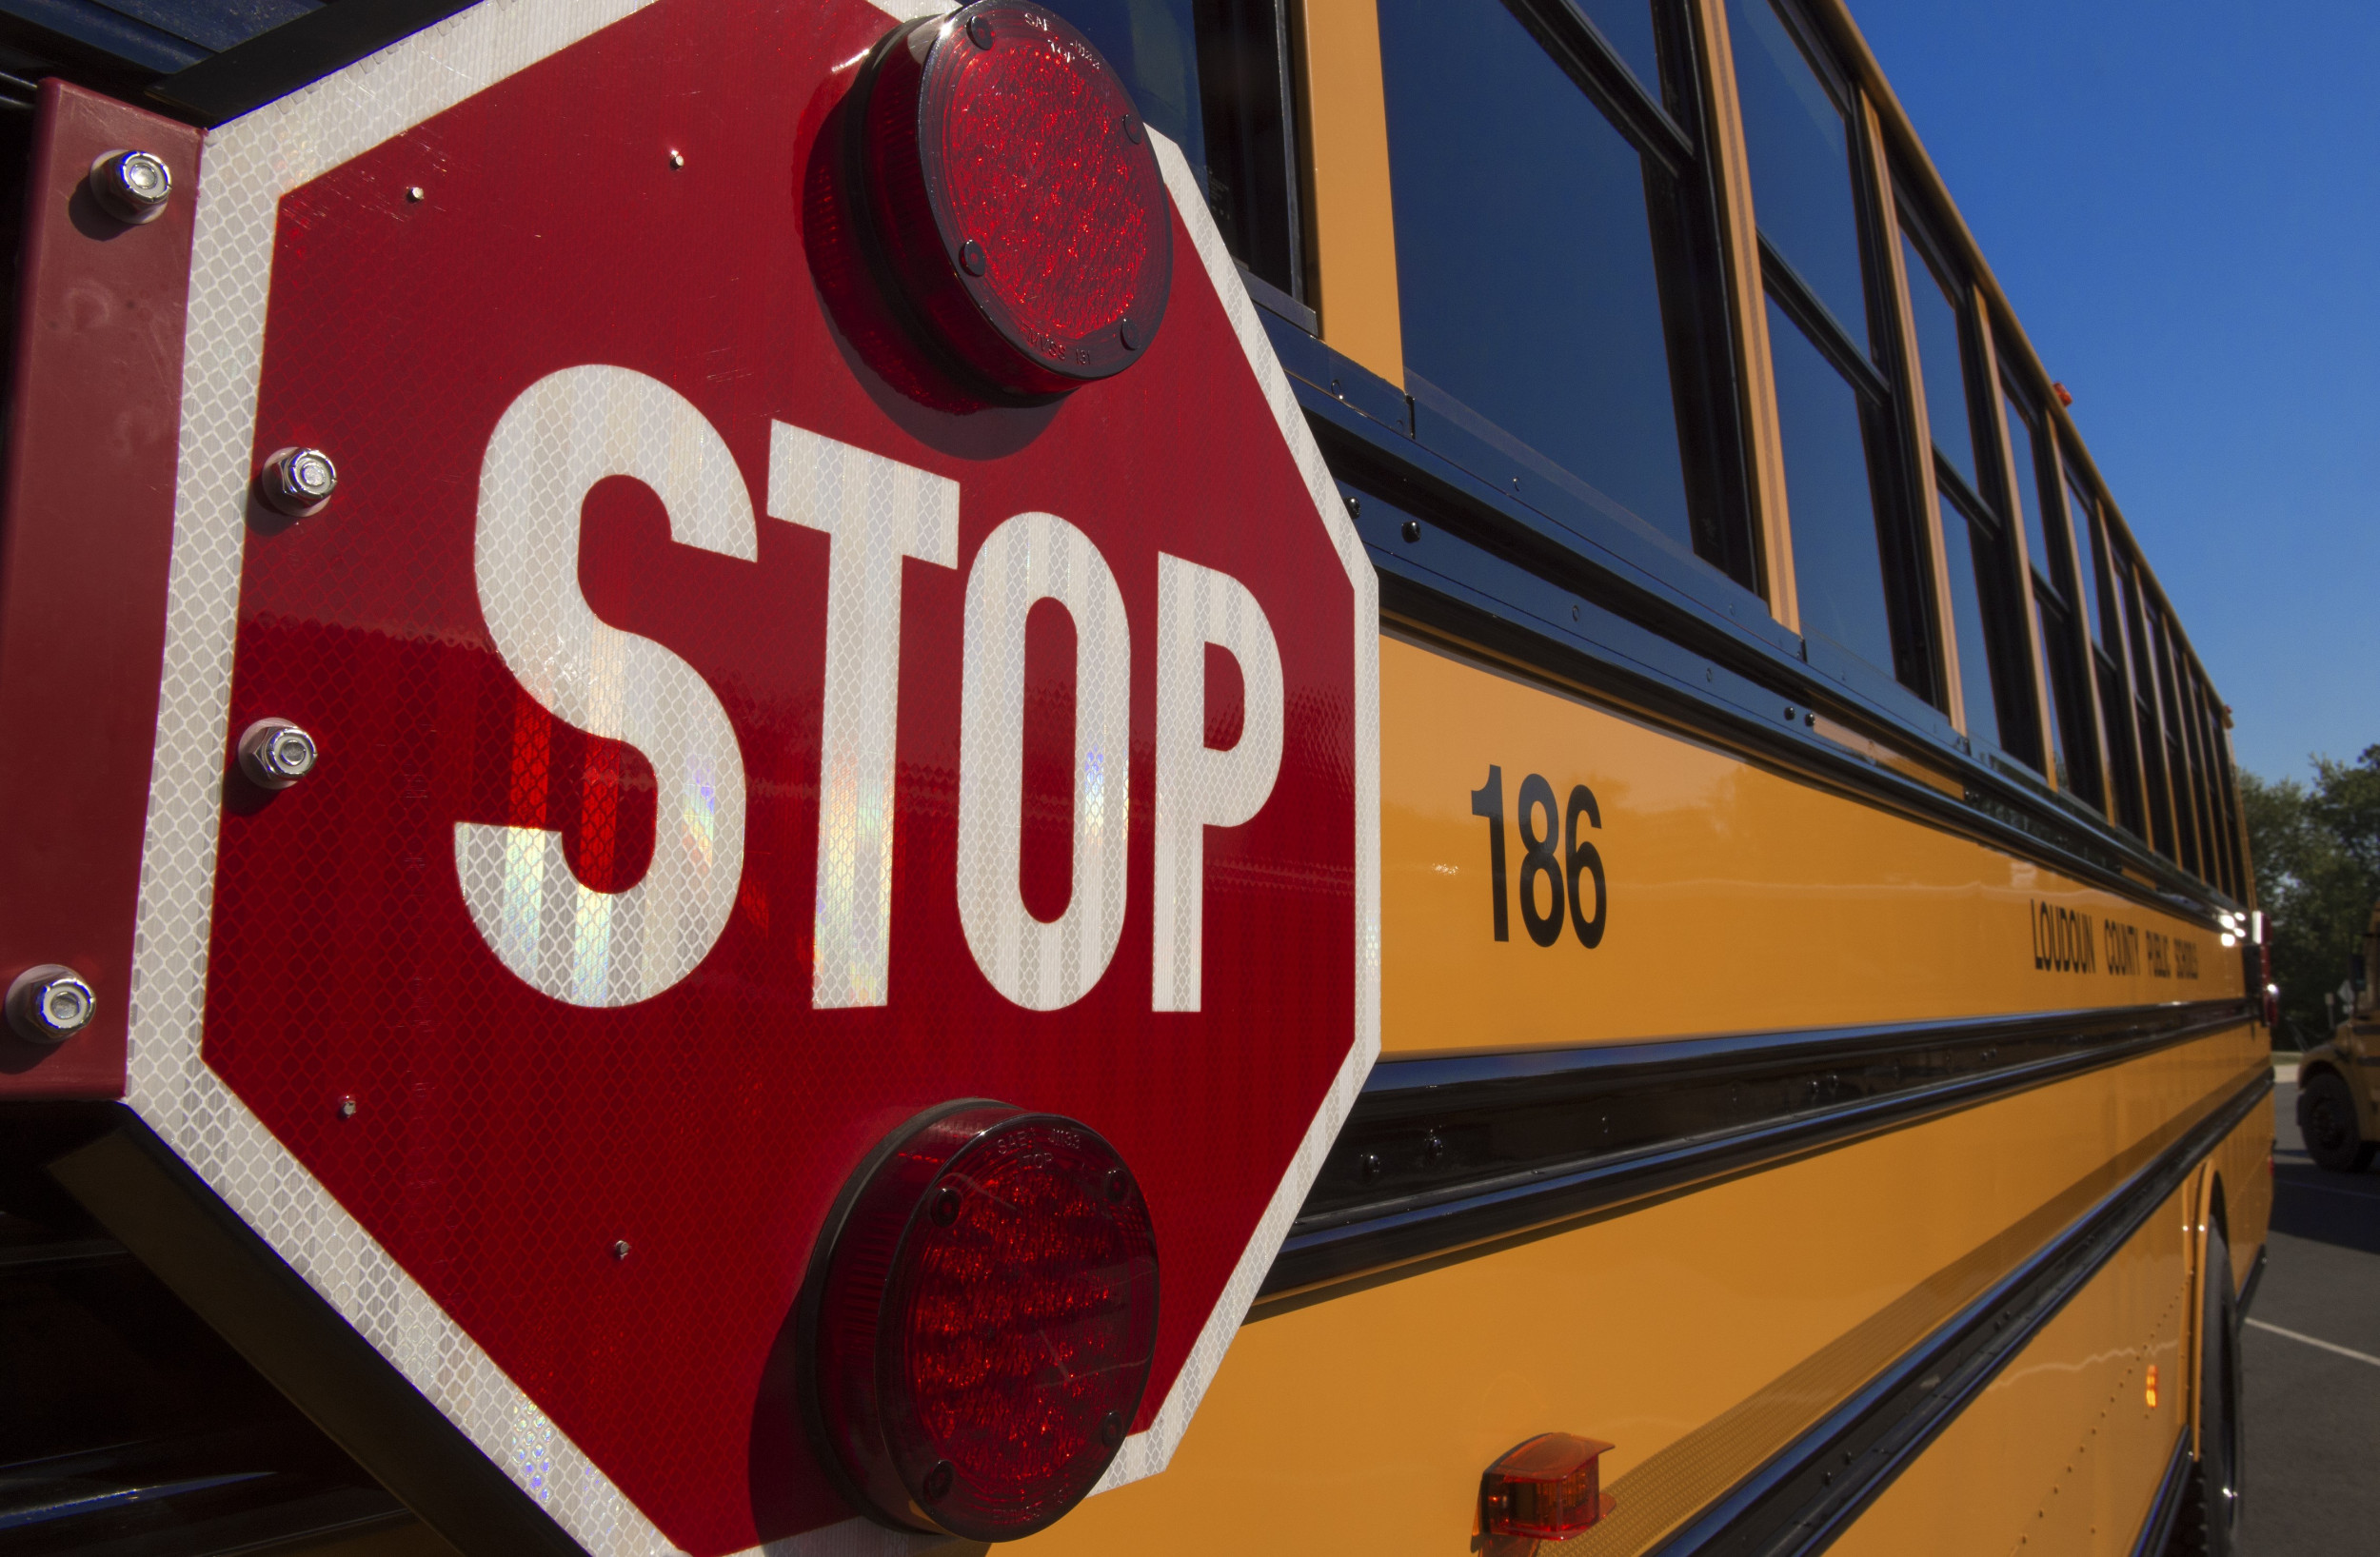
2338 1081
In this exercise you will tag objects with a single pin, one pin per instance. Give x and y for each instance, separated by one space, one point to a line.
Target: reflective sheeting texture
566 432
317 944
878 511
1198 786
1042 965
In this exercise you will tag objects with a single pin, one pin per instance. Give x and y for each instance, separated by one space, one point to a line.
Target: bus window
2177 764
1986 629
2107 658
1249 126
1798 145
2145 711
1838 561
1153 46
2072 740
1941 363
1961 541
1531 235
1628 27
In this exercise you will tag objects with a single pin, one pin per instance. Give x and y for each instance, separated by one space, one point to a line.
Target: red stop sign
733 742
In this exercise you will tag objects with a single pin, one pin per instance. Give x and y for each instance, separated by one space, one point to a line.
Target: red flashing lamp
1012 197
980 1322
1547 1489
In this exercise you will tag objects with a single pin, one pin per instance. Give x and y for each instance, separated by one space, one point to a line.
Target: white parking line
2326 1346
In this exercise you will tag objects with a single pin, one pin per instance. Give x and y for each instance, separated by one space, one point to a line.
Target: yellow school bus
1819 1057
1821 1099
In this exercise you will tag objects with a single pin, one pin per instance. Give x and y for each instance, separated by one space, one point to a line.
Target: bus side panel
2064 1451
1726 895
2092 1490
2243 1165
1699 1333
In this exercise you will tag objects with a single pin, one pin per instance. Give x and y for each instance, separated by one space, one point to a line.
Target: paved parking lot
2312 1487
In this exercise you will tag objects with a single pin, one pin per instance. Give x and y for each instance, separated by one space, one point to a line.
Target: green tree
2317 857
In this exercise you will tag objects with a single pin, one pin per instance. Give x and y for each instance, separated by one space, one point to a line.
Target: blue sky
2182 202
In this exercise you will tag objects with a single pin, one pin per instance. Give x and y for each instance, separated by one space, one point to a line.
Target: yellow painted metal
2062 1454
1353 217
1698 1332
1739 897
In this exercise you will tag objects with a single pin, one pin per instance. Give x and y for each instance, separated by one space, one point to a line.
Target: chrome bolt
347 1108
415 193
620 1249
677 159
980 31
50 1004
277 754
297 481
131 185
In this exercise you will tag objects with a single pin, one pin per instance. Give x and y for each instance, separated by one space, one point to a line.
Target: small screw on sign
620 1249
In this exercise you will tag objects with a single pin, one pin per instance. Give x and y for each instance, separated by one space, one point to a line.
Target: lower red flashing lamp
1547 1489
980 1321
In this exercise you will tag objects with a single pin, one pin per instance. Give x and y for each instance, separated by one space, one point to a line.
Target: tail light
1011 196
1547 1489
980 1322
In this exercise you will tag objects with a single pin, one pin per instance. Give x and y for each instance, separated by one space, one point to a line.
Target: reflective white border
245 168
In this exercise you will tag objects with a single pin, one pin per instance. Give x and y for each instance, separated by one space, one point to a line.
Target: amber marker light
2152 1391
1547 1489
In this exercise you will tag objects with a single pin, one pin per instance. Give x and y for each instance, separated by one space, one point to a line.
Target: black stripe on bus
1808 1492
1441 1155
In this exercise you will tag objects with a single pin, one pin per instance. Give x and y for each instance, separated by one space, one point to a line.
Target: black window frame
1880 377
2054 588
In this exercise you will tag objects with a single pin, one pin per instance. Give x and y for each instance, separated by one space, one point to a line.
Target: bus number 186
1554 852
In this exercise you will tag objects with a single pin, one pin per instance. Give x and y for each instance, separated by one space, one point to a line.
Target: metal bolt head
677 159
297 481
620 1249
50 1004
980 31
971 257
347 1108
131 185
277 754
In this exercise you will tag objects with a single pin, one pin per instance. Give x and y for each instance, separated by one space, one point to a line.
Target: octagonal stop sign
736 736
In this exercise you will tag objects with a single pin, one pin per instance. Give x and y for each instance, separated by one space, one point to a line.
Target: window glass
2046 561
1525 253
1838 566
1627 26
1976 691
1940 363
1250 124
2071 742
1799 149
2123 774
2102 572
1153 47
